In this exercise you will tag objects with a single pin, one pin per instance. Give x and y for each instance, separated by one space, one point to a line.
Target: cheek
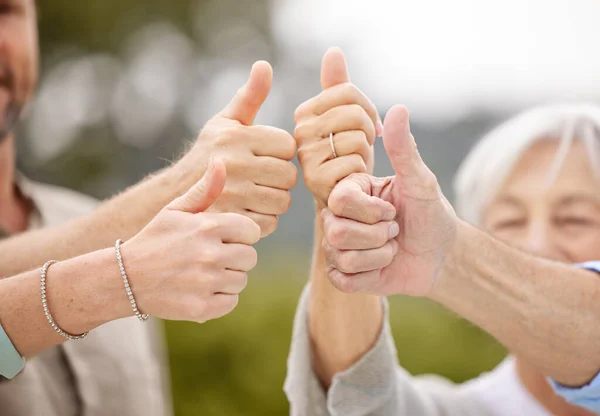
19 50
29 60
583 247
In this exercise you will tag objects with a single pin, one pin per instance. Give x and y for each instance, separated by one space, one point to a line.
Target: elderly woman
533 183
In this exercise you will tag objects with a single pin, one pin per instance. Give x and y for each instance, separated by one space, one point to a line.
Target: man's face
18 59
561 220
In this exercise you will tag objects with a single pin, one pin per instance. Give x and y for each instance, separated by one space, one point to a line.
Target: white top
502 392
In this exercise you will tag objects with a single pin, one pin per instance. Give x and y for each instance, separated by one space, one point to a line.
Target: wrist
84 302
182 175
454 264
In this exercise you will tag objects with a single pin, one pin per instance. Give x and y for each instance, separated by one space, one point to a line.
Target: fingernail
389 215
378 128
394 230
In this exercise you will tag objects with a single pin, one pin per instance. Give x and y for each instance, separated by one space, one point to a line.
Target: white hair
492 159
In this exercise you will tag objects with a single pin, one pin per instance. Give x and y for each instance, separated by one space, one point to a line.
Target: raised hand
189 264
257 158
341 109
389 235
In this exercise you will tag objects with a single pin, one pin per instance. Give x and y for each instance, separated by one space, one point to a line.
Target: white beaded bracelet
47 310
141 316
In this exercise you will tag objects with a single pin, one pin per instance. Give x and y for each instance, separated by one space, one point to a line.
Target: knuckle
196 311
358 163
290 175
210 256
383 235
351 92
249 257
253 229
301 112
357 114
291 147
337 235
429 181
268 225
339 199
301 132
233 302
341 282
230 135
208 226
243 281
348 261
286 202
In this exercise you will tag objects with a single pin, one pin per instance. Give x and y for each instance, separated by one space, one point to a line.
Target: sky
445 58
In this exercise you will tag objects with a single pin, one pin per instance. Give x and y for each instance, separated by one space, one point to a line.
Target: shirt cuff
587 396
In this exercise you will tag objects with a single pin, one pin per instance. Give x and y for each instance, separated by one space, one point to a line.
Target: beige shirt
118 369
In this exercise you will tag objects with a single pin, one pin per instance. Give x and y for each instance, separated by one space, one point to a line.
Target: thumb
399 143
250 97
334 70
401 149
205 192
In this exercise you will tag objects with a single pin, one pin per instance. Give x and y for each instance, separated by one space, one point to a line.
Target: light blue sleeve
11 362
587 396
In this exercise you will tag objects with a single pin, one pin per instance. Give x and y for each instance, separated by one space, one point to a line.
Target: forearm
121 217
343 327
544 311
83 293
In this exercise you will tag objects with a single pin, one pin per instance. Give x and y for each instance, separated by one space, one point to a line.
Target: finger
353 282
272 141
231 282
348 143
274 173
220 305
336 120
334 70
344 144
266 223
205 192
247 101
357 261
344 234
326 176
349 199
235 228
337 96
265 200
240 257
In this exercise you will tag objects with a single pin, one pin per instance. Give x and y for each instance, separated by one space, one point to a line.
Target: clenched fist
340 119
389 235
189 264
257 158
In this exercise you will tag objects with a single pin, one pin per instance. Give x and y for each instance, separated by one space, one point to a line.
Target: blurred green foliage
236 365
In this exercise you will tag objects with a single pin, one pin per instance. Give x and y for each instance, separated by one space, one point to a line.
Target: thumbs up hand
389 235
258 158
343 112
189 264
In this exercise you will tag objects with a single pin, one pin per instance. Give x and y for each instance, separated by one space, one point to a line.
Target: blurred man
533 183
119 369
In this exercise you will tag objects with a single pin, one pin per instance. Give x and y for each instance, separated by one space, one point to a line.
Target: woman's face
560 221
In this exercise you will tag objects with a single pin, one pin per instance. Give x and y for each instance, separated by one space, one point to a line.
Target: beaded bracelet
47 310
141 316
